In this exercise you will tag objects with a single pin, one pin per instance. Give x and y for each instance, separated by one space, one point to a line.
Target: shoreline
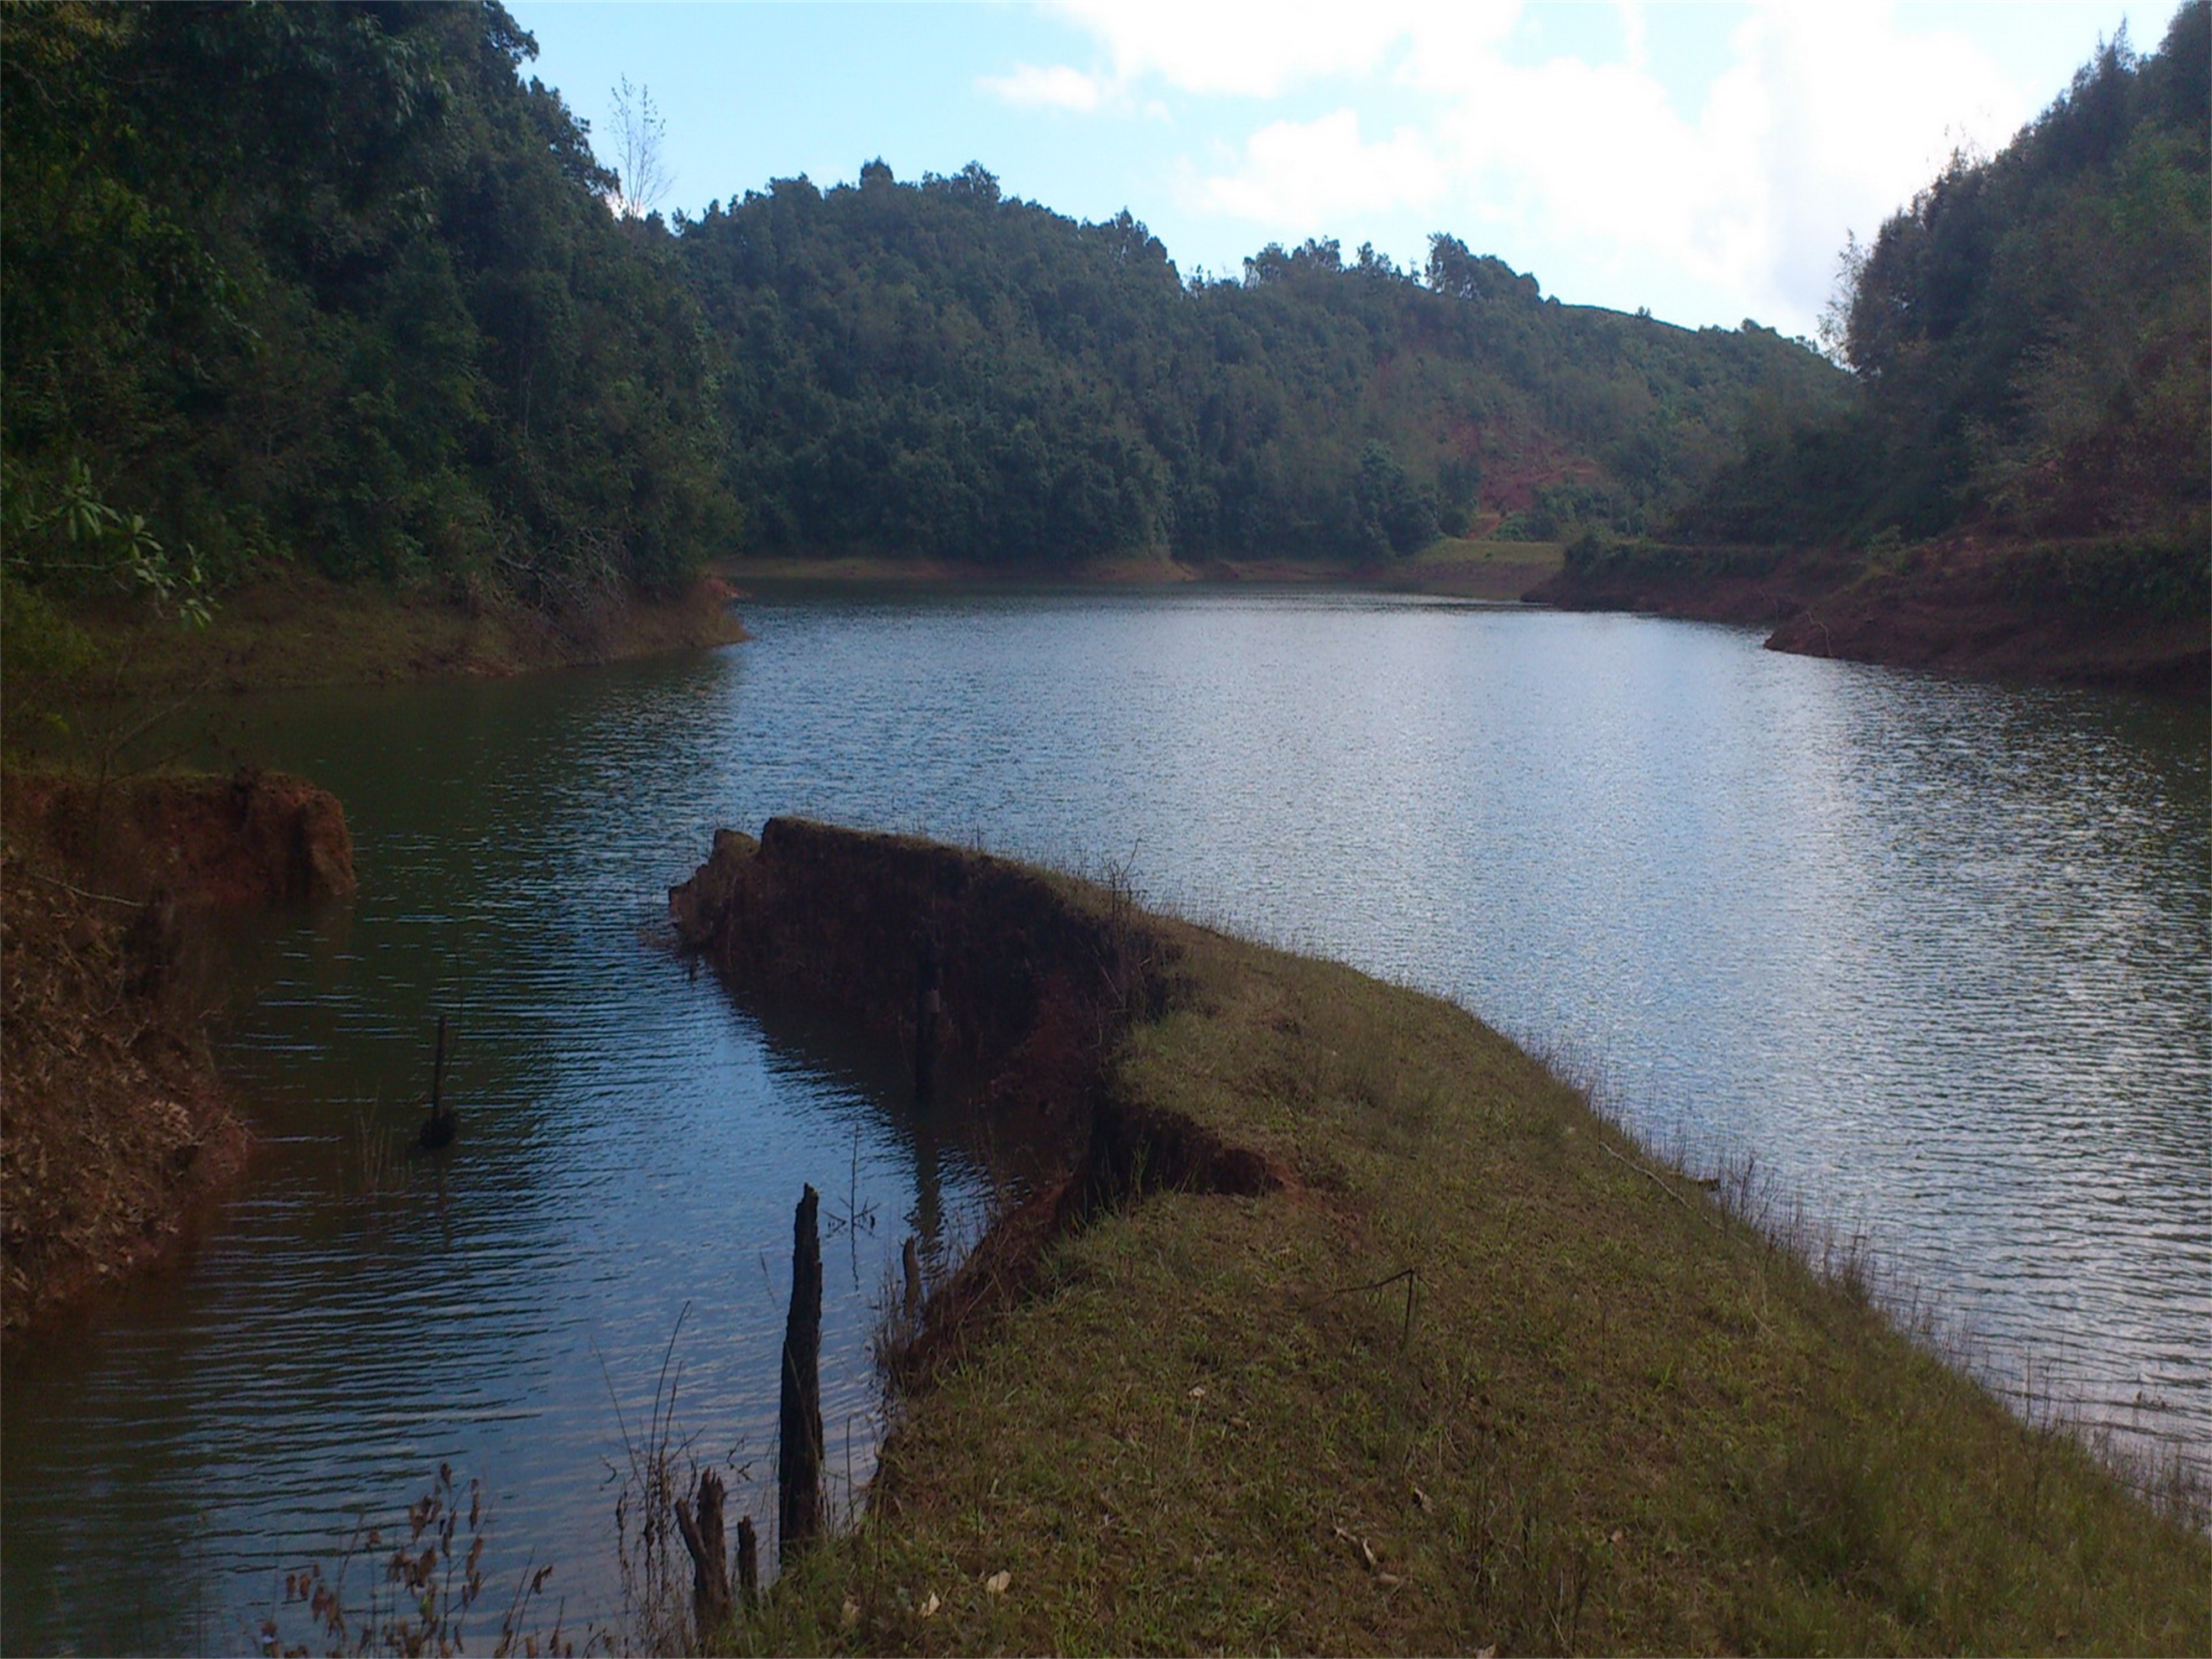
1351 1327
1956 606
1499 571
298 631
116 1130
118 1127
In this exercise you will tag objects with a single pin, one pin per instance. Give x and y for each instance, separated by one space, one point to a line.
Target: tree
641 167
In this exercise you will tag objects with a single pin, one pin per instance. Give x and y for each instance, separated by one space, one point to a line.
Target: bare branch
642 169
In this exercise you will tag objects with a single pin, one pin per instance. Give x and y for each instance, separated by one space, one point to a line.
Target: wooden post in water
798 1442
438 1128
710 1561
912 1264
748 1561
438 1071
928 1006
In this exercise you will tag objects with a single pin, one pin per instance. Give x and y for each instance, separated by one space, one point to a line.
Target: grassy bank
1453 567
1473 1371
300 629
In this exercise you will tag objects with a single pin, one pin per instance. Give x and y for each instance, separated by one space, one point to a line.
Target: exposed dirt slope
1956 606
113 1125
306 630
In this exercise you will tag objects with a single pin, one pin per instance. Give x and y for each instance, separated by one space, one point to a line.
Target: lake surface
1937 956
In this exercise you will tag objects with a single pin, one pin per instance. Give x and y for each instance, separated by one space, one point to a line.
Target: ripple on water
1934 954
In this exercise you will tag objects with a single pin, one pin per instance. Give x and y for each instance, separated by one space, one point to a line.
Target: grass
300 629
1478 567
1482 1374
1468 569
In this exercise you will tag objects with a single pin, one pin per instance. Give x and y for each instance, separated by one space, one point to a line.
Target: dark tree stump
438 1128
710 1560
747 1560
798 1447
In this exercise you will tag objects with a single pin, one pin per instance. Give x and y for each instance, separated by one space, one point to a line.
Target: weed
658 1470
429 1581
382 1171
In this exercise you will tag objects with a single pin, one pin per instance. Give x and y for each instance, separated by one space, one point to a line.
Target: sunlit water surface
1934 954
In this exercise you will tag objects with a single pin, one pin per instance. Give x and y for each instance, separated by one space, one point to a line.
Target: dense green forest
333 285
2031 337
337 288
932 368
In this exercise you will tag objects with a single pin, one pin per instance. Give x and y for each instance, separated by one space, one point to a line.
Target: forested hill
932 368
2031 337
337 287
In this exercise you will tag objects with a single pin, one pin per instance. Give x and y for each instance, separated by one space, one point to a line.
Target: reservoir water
1935 955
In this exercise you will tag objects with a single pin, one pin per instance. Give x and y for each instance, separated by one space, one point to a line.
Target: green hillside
337 289
930 368
2031 337
332 286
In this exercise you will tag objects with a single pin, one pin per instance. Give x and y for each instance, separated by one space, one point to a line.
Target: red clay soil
113 1128
254 837
1039 978
1950 611
1766 599
1952 614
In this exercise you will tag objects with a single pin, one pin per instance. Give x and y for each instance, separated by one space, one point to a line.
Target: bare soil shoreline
114 1127
1952 607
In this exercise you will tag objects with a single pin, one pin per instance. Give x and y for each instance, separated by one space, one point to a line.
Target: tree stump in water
438 1128
798 1447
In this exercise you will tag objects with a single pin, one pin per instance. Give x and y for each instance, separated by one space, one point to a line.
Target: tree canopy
338 286
2032 335
334 284
931 366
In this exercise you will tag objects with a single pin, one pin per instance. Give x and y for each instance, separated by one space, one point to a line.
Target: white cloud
1820 120
1056 86
1246 49
1300 174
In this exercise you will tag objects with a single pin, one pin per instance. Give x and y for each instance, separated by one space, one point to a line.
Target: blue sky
1703 160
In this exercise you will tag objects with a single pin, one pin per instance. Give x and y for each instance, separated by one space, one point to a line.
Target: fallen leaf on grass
851 1616
997 1582
929 1607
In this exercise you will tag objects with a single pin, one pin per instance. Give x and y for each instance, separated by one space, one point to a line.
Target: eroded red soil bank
1956 607
1037 979
114 1127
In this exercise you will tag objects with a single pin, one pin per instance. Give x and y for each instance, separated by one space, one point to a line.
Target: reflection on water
1936 954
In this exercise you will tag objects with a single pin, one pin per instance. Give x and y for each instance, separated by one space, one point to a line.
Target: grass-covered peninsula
1354 1329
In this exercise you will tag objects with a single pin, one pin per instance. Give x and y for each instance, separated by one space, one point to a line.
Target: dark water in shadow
1936 954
